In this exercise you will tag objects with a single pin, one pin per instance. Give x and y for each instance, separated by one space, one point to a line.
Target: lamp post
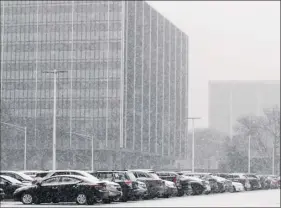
92 146
193 142
249 154
20 128
55 72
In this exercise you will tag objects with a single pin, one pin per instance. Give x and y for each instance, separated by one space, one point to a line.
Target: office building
229 100
123 81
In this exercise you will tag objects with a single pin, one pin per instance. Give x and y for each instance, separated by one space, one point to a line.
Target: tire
232 190
116 199
27 198
106 201
81 199
180 193
124 199
91 202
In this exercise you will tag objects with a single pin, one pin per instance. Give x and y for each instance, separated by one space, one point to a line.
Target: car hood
169 183
237 184
24 188
110 183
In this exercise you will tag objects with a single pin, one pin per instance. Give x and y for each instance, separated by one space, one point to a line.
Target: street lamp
20 128
249 154
55 72
193 134
92 146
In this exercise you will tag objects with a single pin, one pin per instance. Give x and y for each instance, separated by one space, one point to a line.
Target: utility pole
55 72
193 142
249 154
20 128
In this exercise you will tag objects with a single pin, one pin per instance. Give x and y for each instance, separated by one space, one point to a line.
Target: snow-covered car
31 173
170 189
224 184
238 186
197 185
26 179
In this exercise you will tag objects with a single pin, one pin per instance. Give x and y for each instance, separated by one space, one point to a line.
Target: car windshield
91 177
12 180
24 176
131 176
41 175
154 175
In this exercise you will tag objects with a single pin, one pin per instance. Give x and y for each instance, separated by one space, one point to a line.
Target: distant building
126 82
229 100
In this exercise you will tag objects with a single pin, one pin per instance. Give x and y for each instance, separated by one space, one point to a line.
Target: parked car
130 187
9 185
238 187
182 184
2 194
198 186
170 189
115 191
63 188
18 175
273 182
224 184
155 185
237 177
254 181
31 173
205 177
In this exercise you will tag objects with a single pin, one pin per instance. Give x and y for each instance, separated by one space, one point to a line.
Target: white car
238 186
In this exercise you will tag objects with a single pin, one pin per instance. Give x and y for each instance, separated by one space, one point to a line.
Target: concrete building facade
229 100
125 82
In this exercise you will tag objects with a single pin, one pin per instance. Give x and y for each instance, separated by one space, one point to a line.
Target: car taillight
128 182
175 180
100 186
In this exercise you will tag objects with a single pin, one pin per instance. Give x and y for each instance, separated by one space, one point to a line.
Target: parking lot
259 198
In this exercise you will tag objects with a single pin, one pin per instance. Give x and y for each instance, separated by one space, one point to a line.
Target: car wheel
81 199
26 198
106 201
180 193
116 199
98 200
91 201
124 198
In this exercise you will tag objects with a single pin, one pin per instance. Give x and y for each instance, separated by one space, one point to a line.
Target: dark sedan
182 183
9 185
70 188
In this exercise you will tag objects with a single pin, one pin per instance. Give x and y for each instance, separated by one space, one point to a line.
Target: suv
182 183
237 177
155 185
131 188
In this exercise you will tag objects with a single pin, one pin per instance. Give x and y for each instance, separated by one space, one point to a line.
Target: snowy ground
263 198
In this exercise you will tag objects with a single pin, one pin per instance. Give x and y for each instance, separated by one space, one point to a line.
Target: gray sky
229 40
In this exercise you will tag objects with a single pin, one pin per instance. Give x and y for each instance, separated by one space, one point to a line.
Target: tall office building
229 100
124 83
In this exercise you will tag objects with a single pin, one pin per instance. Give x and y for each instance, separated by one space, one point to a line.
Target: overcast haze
228 40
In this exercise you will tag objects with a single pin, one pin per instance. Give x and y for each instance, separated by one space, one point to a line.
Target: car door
68 188
49 189
7 187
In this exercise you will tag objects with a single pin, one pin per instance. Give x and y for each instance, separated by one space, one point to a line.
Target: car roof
143 170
